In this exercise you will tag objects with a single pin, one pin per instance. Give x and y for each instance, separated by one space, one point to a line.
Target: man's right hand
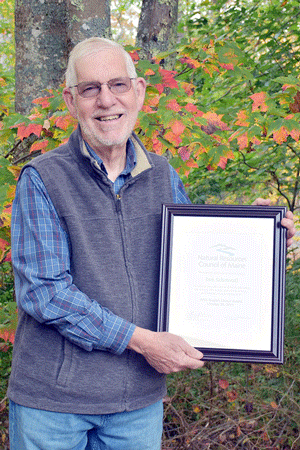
165 352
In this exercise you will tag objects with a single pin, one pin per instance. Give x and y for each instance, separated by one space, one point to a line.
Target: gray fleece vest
115 255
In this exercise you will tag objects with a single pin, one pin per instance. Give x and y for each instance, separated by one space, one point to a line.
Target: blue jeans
34 429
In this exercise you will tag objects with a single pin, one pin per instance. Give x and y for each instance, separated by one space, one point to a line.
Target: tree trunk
157 29
87 18
45 32
41 49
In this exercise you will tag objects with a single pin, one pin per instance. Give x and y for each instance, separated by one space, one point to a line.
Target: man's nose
105 97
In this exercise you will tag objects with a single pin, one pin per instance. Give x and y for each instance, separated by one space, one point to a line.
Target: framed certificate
222 280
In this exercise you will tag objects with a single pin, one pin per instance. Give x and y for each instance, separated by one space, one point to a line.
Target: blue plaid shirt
41 260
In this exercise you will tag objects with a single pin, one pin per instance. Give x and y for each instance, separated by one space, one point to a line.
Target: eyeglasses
117 86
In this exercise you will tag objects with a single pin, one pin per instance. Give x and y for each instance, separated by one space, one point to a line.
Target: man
88 367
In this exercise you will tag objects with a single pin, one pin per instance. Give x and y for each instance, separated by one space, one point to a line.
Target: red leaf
173 138
62 122
160 88
184 153
39 145
168 78
223 384
43 101
281 135
177 127
242 117
173 105
227 66
223 162
25 131
231 395
134 55
149 72
295 134
7 335
193 63
259 102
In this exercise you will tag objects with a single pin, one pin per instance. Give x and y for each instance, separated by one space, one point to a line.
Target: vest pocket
65 368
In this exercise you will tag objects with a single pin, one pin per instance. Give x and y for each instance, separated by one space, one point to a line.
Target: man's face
106 120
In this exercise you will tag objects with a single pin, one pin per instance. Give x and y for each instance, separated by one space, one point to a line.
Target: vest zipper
118 203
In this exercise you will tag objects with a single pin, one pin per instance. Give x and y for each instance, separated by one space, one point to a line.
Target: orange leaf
227 66
242 141
188 88
255 141
192 163
223 384
211 69
160 88
231 395
25 131
295 134
7 335
215 119
43 101
190 107
193 63
149 72
3 245
223 162
157 146
63 122
147 109
39 145
168 78
177 127
173 105
173 138
274 405
35 116
241 119
281 135
259 102
134 55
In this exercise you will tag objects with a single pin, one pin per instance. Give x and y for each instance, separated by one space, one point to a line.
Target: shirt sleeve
44 285
179 193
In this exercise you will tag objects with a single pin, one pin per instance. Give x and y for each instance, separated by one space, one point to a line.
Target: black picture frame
222 280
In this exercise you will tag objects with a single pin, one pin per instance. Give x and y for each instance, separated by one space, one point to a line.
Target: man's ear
140 92
70 102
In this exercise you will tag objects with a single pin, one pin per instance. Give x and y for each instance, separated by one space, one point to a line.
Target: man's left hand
287 221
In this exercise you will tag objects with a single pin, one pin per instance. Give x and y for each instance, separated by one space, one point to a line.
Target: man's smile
109 118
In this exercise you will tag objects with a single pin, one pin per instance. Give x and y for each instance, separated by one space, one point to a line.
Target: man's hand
165 352
287 221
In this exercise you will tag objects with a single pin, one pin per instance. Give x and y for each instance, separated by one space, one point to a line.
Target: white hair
92 45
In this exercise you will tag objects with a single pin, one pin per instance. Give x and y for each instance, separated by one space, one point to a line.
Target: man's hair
92 45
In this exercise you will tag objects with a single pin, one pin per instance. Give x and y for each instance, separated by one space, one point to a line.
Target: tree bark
41 49
87 18
45 32
157 29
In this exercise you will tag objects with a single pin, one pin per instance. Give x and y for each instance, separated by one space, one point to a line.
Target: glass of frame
222 280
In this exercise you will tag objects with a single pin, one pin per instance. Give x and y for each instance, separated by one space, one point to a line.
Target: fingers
288 223
165 352
262 202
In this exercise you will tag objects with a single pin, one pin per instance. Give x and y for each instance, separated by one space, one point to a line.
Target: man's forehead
102 60
102 54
